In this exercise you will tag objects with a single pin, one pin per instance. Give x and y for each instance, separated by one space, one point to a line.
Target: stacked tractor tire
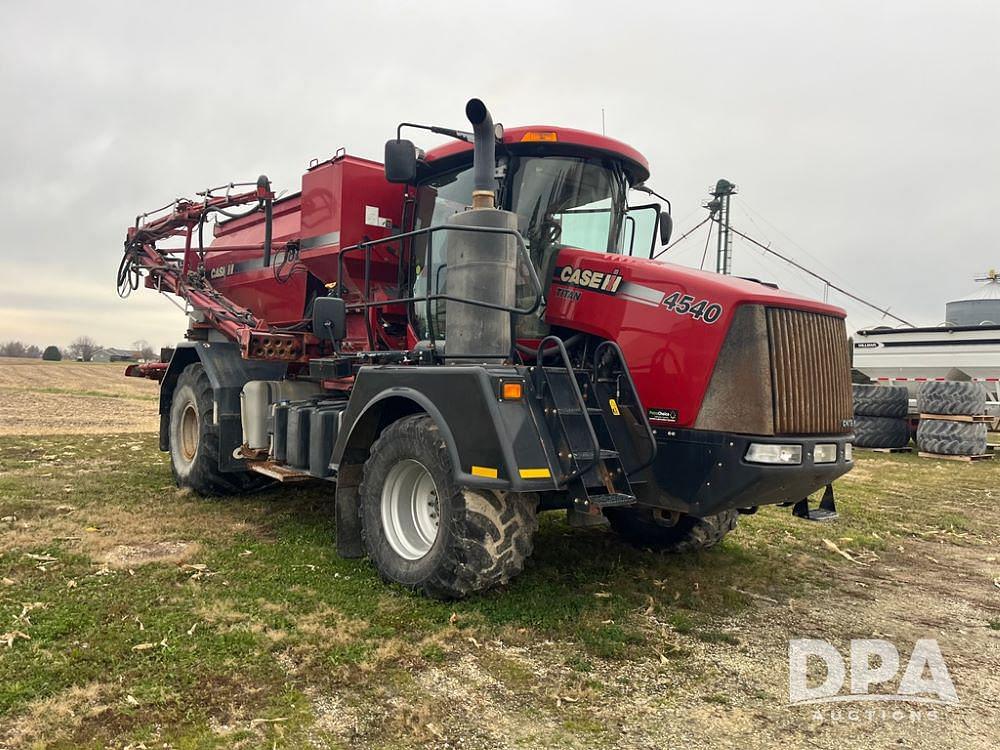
880 416
948 411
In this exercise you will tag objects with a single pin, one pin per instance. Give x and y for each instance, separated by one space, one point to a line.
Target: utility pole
720 205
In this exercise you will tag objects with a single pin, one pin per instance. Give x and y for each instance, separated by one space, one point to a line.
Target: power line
704 253
748 209
682 237
820 278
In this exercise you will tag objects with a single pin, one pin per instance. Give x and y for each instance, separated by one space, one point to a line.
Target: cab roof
549 139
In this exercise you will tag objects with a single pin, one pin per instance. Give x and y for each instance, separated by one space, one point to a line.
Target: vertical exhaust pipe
483 155
482 266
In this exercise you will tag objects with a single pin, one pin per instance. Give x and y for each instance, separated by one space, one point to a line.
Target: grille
810 372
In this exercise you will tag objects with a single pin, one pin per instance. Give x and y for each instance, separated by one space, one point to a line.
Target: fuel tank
708 351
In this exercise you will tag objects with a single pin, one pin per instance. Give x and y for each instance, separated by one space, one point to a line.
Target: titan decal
585 278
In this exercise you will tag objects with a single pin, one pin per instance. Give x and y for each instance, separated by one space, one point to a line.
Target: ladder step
616 500
588 455
579 412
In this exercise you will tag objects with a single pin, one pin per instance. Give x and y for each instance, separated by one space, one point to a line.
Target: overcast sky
864 136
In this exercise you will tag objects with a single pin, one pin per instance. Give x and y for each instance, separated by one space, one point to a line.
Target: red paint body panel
256 288
336 197
671 356
334 207
564 136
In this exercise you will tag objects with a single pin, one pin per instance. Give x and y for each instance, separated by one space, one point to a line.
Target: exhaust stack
481 265
484 154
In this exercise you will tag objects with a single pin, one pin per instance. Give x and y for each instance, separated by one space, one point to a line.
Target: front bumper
703 473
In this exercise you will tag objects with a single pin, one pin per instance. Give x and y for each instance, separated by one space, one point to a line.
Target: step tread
589 454
613 500
573 412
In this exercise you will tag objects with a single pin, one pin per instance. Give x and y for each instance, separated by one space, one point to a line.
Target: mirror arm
650 191
459 135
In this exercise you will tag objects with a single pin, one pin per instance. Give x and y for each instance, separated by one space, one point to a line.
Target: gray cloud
866 132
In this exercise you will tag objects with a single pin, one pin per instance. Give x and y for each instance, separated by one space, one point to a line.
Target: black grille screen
810 372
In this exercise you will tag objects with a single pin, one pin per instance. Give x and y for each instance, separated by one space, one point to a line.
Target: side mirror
329 318
400 161
666 227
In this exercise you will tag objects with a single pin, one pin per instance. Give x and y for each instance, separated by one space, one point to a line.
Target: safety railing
431 296
633 396
579 409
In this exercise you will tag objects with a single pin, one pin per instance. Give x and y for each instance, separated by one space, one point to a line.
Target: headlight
770 453
825 453
848 452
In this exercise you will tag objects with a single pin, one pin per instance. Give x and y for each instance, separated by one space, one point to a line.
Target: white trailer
911 356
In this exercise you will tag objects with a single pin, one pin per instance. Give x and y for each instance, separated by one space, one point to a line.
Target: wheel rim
189 432
410 509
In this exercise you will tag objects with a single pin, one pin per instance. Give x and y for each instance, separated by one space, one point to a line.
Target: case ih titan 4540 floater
464 337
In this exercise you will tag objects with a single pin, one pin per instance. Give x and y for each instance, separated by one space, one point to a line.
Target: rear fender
228 372
493 444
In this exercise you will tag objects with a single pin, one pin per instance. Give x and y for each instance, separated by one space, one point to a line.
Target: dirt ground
51 398
136 615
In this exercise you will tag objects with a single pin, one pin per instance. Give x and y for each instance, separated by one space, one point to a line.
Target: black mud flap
827 510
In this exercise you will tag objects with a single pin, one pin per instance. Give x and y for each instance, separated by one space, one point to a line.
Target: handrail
571 374
613 345
368 245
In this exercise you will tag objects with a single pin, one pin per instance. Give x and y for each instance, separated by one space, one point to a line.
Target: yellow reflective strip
484 471
535 474
614 407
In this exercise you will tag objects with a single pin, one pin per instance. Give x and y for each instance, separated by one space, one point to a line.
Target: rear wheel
425 532
194 440
688 534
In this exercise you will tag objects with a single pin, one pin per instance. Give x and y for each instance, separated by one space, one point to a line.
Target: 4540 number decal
685 304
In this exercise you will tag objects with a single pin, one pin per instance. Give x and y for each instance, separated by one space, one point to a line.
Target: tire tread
491 533
689 534
880 400
951 438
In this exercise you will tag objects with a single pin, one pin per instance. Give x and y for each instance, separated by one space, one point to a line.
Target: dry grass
156 618
55 719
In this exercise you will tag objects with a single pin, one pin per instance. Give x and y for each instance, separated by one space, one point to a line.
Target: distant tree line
19 349
81 348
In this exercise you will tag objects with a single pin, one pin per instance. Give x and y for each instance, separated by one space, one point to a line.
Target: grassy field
133 614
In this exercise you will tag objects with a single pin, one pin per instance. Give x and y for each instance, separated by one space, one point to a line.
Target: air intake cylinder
482 268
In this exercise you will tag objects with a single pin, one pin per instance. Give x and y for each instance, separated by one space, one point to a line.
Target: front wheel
423 531
688 534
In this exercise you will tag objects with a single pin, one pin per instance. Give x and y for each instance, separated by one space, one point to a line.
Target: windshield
560 201
570 202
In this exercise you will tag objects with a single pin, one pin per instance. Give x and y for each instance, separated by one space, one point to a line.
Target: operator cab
568 188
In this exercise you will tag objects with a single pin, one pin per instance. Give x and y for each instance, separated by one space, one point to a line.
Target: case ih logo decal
220 272
584 278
